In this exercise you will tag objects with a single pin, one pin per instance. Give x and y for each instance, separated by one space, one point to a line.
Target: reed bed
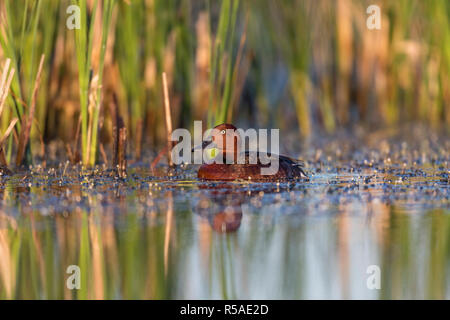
307 65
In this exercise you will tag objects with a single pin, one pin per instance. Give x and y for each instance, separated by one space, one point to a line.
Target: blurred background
309 67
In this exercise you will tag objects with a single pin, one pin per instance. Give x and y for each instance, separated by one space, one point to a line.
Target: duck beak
202 146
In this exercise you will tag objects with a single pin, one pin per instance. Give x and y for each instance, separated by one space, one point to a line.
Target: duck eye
222 132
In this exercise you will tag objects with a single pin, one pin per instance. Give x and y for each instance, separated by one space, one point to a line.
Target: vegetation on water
262 63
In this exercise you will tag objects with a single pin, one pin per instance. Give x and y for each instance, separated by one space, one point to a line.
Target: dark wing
296 165
295 162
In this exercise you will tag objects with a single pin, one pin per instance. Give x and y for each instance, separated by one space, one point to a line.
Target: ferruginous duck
227 140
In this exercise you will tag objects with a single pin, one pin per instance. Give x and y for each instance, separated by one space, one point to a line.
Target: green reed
129 44
152 38
223 62
84 43
18 42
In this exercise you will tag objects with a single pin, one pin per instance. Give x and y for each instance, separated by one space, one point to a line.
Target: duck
250 168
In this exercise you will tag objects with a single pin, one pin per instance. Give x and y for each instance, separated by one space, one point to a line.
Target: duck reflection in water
226 221
221 206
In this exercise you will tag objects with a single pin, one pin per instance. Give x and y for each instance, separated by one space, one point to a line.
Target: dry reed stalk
41 140
8 131
122 166
3 160
5 83
139 128
157 159
4 89
168 118
74 155
70 153
114 110
119 134
26 127
91 107
103 154
4 74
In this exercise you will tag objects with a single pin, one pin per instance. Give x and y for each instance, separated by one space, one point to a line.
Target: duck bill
202 146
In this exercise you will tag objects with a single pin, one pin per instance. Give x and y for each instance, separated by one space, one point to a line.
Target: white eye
223 132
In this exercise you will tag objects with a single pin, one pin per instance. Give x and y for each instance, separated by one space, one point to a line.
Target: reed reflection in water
234 249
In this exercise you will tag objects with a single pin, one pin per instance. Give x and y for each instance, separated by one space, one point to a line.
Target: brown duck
288 168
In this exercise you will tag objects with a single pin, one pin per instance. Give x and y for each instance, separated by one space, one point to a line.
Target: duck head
225 138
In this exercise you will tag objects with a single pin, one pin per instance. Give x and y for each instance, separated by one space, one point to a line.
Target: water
153 236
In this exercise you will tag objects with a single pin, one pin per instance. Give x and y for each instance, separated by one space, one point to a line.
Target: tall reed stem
168 118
